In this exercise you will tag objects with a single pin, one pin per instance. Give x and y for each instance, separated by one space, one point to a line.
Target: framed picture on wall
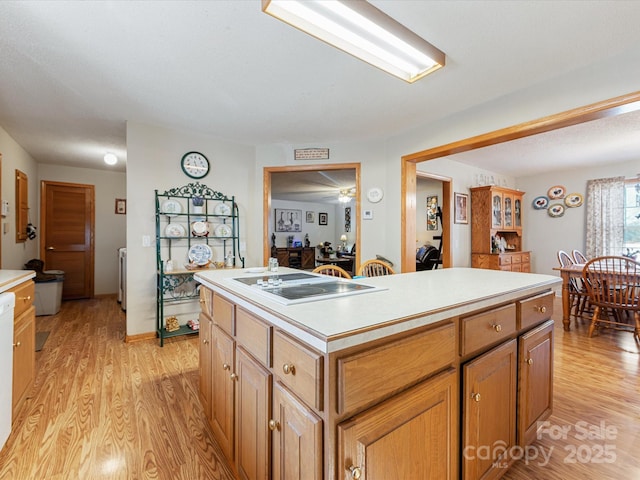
288 220
347 219
323 218
121 206
432 212
311 217
461 210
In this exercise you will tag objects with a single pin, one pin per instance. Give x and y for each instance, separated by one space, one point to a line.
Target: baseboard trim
141 337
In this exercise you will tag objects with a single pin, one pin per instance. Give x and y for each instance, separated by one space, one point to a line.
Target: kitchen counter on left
11 278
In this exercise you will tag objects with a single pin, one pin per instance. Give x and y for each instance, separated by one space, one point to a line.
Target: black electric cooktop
291 288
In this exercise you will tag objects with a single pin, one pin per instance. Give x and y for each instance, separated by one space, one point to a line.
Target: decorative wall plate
200 229
573 200
556 192
540 203
222 230
171 208
175 230
222 209
200 254
556 210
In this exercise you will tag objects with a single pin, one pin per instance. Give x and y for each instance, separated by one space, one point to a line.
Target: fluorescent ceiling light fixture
360 29
110 158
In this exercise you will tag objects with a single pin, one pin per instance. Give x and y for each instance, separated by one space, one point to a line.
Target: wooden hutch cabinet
496 229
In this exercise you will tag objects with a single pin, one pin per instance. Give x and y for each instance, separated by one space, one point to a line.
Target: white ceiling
72 73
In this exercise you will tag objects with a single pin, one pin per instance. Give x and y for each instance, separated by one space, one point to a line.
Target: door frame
266 200
606 108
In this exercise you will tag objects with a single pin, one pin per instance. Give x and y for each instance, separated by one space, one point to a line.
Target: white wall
110 229
545 235
153 162
15 255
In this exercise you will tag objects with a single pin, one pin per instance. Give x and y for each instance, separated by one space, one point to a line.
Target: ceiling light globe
110 158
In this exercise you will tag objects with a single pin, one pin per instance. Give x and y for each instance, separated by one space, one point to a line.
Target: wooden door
222 390
253 409
68 224
535 381
412 435
489 413
297 438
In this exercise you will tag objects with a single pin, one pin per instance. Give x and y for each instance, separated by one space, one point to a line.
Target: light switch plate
367 215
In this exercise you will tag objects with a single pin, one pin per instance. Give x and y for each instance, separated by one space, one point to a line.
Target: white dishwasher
7 302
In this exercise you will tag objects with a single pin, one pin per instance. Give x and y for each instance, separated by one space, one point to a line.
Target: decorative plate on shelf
200 229
556 210
171 208
222 209
200 254
175 230
540 203
556 192
222 230
573 200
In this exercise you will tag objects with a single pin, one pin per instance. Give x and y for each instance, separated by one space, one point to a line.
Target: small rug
41 337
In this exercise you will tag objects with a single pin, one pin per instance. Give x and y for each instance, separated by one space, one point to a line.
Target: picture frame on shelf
288 220
461 208
323 218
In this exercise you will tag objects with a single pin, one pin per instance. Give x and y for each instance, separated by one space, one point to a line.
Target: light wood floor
103 409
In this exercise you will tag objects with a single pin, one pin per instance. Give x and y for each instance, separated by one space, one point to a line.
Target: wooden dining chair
578 257
332 270
375 268
613 285
578 296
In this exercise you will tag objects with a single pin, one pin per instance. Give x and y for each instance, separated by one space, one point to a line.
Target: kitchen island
407 381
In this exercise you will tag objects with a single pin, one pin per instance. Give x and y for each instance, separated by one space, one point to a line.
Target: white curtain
605 217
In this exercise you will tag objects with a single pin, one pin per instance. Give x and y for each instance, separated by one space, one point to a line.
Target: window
632 218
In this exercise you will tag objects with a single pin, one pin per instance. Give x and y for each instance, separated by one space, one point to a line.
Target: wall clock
374 194
194 164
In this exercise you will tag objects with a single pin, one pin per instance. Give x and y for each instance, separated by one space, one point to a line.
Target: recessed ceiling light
360 29
110 158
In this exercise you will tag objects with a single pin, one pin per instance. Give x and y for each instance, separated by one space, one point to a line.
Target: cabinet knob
476 397
25 299
205 341
201 300
274 425
289 368
497 327
356 473
541 309
15 345
226 366
530 361
233 376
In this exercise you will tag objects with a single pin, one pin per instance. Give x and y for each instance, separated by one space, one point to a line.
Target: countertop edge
12 278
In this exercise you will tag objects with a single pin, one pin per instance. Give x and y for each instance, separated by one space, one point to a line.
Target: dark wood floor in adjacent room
104 409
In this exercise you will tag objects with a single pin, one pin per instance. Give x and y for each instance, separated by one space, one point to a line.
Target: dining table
566 273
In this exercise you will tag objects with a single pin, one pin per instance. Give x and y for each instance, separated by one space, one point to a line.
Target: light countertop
11 278
410 300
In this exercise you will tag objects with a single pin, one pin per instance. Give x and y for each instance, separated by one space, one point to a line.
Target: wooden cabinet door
253 409
411 435
496 210
24 356
535 382
489 412
204 383
517 212
222 389
297 438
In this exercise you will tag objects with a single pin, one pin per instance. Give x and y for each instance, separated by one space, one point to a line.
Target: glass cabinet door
508 211
517 212
496 210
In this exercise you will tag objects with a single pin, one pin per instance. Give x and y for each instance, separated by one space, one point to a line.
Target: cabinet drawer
486 328
254 335
535 310
223 311
25 293
376 373
299 368
526 257
516 258
505 259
